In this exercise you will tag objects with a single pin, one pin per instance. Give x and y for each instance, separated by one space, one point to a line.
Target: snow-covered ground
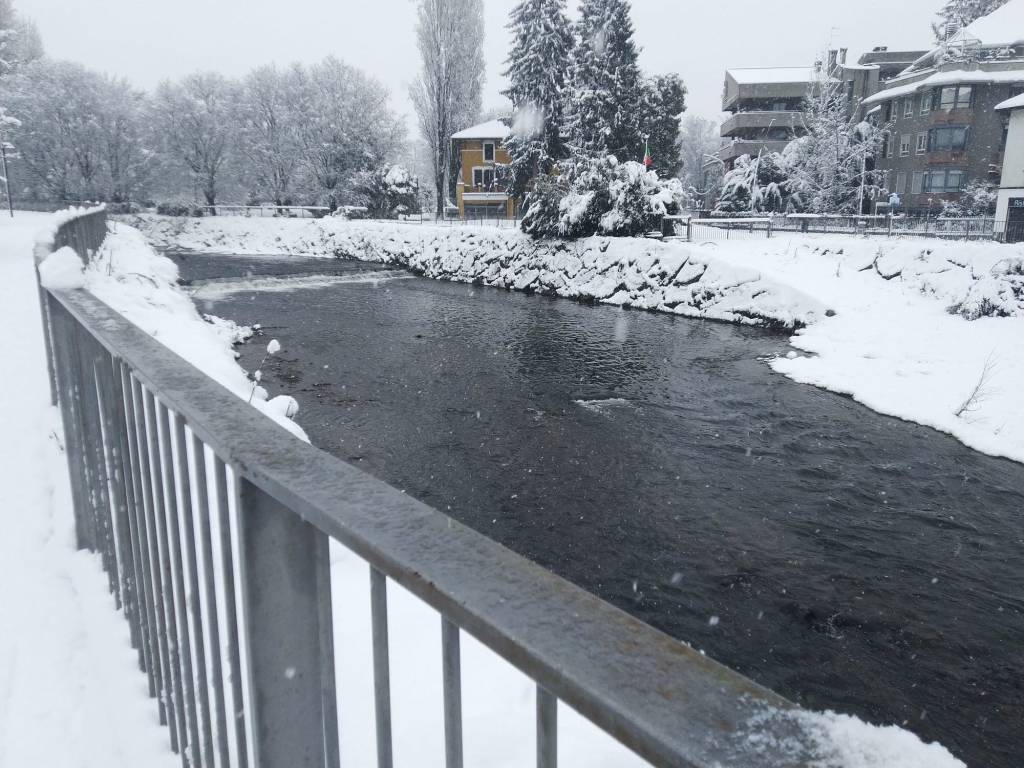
71 694
70 691
893 323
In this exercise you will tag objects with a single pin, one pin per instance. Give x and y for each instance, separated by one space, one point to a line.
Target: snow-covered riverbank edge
884 321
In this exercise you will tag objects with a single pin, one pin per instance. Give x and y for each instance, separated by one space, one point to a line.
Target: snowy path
71 693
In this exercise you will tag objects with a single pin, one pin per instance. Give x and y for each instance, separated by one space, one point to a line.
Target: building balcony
729 152
947 158
760 120
952 117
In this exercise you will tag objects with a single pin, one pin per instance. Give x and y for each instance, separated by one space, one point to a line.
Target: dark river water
848 560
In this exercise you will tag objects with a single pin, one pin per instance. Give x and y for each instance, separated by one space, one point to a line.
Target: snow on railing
213 524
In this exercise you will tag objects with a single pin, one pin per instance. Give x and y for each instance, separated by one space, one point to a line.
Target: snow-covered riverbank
892 323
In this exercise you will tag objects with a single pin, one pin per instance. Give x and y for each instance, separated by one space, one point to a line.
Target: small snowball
713 621
62 270
284 405
273 347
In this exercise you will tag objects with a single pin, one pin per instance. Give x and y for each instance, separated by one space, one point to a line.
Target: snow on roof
952 77
1001 27
493 129
1017 102
770 75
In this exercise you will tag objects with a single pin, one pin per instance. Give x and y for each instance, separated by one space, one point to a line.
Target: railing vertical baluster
547 729
170 474
71 418
93 457
203 746
283 568
204 552
112 422
144 591
228 586
451 672
144 436
150 406
381 666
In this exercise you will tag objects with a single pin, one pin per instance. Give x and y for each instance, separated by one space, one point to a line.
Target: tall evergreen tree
604 106
957 14
538 72
664 99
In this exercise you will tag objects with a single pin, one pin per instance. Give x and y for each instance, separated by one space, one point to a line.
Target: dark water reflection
849 561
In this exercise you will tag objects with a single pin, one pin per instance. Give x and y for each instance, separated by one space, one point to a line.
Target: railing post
285 590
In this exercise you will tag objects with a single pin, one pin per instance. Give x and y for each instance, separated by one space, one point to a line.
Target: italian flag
648 160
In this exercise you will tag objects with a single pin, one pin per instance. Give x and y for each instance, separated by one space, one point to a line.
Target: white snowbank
133 279
62 270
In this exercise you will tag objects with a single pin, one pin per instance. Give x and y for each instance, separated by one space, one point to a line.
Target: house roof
950 77
772 75
493 129
1017 102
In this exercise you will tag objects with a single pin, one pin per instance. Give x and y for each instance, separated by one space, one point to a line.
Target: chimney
842 55
832 61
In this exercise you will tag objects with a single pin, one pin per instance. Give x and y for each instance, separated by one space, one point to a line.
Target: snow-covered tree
20 43
601 196
389 192
604 107
269 132
538 71
957 14
664 99
699 139
447 93
125 140
977 199
830 167
756 185
196 121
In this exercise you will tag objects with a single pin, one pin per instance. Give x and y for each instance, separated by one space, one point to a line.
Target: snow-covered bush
977 199
757 185
601 196
389 192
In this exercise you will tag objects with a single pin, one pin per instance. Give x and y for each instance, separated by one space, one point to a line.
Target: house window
917 184
478 177
887 146
888 111
488 151
901 183
908 106
922 143
926 103
952 97
947 139
488 178
945 181
904 145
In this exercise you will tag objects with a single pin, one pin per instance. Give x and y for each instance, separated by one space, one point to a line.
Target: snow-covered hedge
632 272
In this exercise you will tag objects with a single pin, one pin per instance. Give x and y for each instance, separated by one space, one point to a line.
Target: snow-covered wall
645 274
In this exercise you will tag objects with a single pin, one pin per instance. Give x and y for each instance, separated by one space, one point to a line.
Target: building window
888 111
901 183
922 143
947 139
908 106
904 145
945 181
887 145
952 97
478 177
917 183
488 151
926 103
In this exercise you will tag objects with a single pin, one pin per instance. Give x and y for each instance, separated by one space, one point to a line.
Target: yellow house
480 191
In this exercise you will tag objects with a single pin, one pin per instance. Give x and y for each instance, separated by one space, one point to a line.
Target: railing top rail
659 697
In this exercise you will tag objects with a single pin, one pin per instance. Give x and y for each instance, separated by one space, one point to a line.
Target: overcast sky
151 40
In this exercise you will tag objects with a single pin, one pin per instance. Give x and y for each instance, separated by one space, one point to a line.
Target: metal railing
213 524
695 229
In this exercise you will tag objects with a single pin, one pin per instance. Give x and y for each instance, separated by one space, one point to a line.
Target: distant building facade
1010 204
943 127
481 191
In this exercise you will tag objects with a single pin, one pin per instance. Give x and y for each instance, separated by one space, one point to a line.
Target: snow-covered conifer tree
663 103
604 102
957 14
538 71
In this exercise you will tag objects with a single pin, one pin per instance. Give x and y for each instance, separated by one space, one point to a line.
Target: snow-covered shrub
977 199
389 192
601 196
997 294
757 185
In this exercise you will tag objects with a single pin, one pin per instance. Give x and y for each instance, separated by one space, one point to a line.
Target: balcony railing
760 119
213 524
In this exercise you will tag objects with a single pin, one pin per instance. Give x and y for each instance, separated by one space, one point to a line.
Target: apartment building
943 127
